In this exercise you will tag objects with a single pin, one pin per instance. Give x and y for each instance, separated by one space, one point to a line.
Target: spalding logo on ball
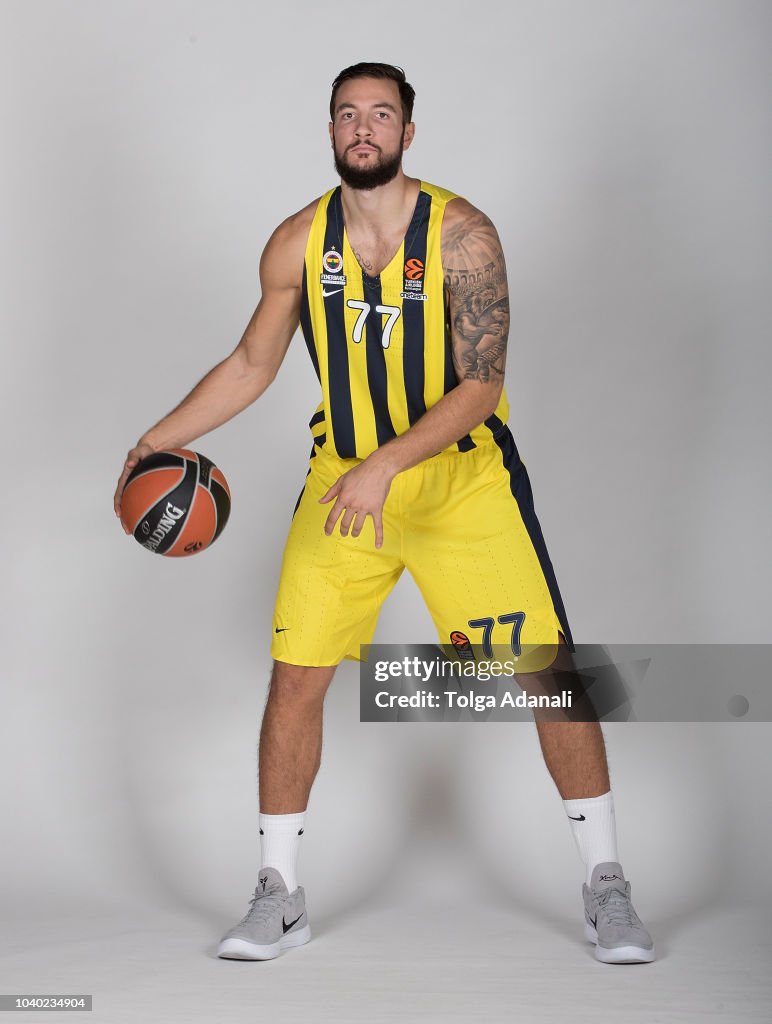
175 502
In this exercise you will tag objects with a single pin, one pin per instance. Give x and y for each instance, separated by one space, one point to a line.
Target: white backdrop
623 151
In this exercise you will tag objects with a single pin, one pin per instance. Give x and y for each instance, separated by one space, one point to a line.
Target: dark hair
368 70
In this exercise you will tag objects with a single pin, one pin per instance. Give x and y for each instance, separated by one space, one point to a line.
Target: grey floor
442 882
423 961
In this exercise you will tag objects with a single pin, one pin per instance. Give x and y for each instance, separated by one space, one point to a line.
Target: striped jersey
381 346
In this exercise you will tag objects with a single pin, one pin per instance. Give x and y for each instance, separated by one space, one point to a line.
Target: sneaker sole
240 949
618 954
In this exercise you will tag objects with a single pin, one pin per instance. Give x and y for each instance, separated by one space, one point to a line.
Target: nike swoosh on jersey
334 291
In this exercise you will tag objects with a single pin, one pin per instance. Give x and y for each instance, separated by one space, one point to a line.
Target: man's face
367 134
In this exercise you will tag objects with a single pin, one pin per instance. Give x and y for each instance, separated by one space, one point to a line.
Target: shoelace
616 905
262 907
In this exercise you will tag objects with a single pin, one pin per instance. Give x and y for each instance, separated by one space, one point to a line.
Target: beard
366 178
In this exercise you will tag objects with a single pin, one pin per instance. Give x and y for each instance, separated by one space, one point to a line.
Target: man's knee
299 684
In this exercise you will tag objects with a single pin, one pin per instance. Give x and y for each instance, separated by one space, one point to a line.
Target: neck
375 210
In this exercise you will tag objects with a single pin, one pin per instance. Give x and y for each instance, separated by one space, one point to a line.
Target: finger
119 494
335 513
117 506
345 522
120 520
359 522
120 485
332 493
129 464
378 529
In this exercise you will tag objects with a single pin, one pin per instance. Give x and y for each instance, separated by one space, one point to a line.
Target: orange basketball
176 502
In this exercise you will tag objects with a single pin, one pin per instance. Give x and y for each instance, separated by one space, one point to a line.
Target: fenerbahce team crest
332 262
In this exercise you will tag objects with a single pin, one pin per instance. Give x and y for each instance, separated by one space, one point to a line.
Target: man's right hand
243 376
135 455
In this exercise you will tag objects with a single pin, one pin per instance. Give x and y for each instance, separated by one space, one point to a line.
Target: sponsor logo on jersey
166 523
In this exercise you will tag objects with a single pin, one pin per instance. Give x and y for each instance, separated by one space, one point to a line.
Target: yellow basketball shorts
462 523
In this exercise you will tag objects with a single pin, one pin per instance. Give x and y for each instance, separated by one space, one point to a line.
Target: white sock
279 841
594 827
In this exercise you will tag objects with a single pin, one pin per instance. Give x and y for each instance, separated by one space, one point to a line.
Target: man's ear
408 134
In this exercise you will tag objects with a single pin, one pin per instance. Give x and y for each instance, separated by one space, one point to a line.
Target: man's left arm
478 311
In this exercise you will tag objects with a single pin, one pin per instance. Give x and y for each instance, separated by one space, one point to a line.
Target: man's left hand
359 493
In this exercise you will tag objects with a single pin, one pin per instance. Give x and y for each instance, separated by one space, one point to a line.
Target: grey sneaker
610 920
276 920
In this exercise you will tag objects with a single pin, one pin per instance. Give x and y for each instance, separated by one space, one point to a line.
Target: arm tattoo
478 298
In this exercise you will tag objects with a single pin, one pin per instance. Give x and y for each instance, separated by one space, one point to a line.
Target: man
400 288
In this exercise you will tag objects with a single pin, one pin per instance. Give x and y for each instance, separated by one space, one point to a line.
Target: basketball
175 502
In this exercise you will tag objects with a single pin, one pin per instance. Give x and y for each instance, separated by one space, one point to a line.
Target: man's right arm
244 375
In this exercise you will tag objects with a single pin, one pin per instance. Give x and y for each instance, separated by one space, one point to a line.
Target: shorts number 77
486 625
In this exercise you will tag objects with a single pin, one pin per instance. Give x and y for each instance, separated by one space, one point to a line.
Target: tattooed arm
478 311
478 316
478 297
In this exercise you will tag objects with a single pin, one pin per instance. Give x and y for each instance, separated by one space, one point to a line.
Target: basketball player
400 289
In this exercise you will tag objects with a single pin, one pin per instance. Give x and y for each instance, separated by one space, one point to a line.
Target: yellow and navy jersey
381 346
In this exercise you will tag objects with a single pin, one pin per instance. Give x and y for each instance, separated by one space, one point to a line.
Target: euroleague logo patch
414 270
462 645
413 281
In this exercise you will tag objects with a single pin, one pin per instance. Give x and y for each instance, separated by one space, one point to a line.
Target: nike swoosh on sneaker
286 927
334 291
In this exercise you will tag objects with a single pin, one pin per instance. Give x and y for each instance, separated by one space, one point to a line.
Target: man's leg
291 736
289 758
475 548
330 591
575 755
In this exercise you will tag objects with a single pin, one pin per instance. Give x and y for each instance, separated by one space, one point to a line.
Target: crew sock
279 843
594 827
